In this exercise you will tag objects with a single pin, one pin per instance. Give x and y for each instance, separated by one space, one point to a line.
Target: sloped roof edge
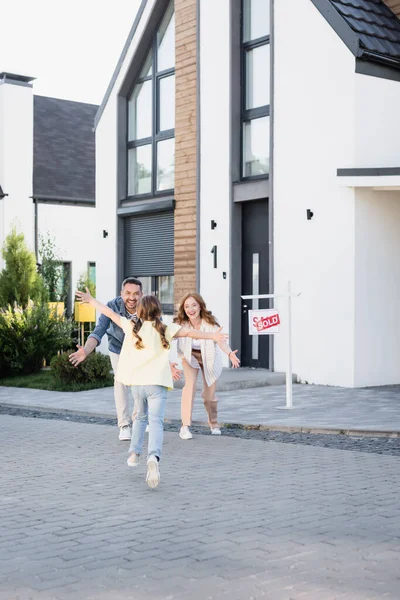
338 24
120 62
377 41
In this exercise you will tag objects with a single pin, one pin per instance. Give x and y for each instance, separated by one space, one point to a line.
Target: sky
71 48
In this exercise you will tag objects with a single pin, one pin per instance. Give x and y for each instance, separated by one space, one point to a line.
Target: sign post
266 322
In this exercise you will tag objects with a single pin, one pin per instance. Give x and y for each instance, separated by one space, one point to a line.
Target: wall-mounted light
105 233
213 224
310 214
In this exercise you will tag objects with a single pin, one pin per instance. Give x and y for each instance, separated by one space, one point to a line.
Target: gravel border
388 446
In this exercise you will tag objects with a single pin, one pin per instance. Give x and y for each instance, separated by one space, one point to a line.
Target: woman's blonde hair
205 314
149 309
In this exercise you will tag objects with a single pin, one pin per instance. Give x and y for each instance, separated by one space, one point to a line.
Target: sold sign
263 322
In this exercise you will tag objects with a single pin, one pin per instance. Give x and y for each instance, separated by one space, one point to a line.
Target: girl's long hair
149 309
205 314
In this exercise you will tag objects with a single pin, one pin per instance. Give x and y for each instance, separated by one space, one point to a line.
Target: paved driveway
232 518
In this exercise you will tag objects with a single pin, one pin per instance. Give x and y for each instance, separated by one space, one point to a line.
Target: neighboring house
242 144
47 168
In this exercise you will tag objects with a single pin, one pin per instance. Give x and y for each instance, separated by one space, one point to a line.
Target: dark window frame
156 136
247 115
168 309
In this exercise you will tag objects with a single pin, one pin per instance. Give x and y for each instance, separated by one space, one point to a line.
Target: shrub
95 369
51 268
19 280
29 336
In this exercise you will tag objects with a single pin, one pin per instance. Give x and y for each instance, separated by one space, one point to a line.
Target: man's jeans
150 401
121 396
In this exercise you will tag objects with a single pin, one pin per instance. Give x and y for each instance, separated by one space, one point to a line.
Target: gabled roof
373 29
64 151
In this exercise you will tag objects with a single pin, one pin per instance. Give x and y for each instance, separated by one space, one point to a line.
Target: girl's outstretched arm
217 335
87 297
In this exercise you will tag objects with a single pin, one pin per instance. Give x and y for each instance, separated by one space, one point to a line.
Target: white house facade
244 144
47 175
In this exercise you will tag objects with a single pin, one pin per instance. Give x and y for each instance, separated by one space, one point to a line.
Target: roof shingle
64 149
377 26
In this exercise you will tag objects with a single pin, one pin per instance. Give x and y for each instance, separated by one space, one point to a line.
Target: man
125 305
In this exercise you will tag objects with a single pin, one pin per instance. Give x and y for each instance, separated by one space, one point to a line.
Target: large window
255 87
151 117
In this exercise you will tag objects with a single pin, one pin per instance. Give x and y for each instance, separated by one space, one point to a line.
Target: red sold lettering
263 323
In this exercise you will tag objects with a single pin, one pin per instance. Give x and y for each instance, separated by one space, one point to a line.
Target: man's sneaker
153 472
215 431
147 429
185 434
125 433
133 460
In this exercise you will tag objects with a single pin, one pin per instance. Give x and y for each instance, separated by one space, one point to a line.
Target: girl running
144 365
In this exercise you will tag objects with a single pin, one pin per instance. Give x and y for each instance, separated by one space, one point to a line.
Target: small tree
19 280
50 267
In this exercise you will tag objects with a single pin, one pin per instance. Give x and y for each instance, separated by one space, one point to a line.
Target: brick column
185 147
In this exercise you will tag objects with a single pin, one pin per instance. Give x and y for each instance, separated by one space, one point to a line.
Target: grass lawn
45 381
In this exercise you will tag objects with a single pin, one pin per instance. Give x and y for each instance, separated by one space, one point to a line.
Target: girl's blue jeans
150 401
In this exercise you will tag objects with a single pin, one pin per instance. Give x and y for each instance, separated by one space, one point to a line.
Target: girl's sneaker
215 431
133 460
185 434
153 472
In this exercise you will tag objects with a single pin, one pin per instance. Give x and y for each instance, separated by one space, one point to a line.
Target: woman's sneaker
133 460
125 433
185 434
215 431
153 472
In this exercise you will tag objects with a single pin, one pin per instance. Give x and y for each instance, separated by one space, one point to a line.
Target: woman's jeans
150 401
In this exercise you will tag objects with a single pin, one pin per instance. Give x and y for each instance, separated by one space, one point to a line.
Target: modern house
243 144
47 174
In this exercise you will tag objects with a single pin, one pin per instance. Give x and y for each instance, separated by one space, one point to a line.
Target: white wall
76 233
377 288
16 161
215 175
377 122
314 135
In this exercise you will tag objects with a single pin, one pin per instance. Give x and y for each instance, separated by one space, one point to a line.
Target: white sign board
264 321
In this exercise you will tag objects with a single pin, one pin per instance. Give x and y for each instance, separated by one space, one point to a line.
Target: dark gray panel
149 244
368 172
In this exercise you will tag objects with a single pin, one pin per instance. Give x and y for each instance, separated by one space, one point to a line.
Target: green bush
19 280
95 369
28 336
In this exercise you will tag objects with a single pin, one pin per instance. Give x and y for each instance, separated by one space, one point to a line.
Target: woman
199 354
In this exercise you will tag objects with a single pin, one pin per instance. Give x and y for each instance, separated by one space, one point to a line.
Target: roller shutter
149 244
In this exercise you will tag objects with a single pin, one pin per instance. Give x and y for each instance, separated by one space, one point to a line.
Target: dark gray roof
377 27
64 150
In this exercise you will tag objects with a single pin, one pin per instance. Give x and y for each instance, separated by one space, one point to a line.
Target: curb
230 426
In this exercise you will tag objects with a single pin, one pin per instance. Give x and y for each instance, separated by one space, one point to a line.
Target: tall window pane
165 164
167 103
166 289
140 111
255 19
256 147
147 67
257 76
166 42
139 170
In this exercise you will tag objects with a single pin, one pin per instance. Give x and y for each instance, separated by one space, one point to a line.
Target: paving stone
255 519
